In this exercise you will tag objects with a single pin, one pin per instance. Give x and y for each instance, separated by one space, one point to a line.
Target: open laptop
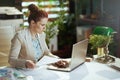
78 57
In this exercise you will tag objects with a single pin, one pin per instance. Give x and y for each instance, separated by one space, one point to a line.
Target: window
53 7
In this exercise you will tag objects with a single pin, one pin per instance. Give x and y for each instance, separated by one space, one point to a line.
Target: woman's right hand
30 64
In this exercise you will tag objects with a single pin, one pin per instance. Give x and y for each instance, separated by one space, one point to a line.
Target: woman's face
40 26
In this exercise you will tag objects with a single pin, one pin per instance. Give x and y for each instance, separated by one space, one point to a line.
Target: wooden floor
3 59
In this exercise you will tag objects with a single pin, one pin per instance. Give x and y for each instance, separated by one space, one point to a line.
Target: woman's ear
32 22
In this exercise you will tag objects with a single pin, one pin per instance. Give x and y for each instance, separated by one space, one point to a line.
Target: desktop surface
87 71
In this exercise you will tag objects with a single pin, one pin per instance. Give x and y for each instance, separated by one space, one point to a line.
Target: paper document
47 60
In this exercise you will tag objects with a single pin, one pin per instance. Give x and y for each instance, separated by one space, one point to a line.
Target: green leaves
99 41
51 31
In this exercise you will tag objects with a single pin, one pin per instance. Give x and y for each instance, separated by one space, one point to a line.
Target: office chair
105 31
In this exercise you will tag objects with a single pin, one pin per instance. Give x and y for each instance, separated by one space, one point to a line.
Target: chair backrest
103 30
6 34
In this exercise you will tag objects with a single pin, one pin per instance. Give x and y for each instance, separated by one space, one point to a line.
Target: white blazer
22 49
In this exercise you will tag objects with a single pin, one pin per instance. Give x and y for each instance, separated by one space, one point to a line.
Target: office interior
83 17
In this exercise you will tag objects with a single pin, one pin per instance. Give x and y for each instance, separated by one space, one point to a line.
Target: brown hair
36 14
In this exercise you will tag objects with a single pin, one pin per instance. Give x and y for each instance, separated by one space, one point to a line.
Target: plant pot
100 51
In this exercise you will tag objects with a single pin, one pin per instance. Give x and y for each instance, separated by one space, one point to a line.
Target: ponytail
36 14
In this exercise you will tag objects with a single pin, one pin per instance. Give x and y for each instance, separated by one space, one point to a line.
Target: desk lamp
105 31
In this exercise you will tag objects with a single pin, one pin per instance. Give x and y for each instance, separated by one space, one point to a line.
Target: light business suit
22 48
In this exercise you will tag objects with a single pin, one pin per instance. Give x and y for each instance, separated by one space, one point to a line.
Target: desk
87 71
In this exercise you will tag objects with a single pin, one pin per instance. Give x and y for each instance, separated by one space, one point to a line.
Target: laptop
78 57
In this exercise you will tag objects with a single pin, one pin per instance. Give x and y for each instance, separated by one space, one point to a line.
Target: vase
100 51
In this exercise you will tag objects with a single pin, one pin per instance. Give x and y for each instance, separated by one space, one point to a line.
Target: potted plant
100 42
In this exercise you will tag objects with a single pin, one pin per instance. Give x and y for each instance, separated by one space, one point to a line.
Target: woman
28 45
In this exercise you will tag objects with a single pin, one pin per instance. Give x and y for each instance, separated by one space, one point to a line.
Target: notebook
78 57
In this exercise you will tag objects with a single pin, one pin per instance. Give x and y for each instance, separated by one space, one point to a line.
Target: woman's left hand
30 64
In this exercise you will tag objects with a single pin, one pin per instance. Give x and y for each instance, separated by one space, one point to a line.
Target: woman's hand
30 64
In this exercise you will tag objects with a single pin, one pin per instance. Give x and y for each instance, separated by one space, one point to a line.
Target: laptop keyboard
63 63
